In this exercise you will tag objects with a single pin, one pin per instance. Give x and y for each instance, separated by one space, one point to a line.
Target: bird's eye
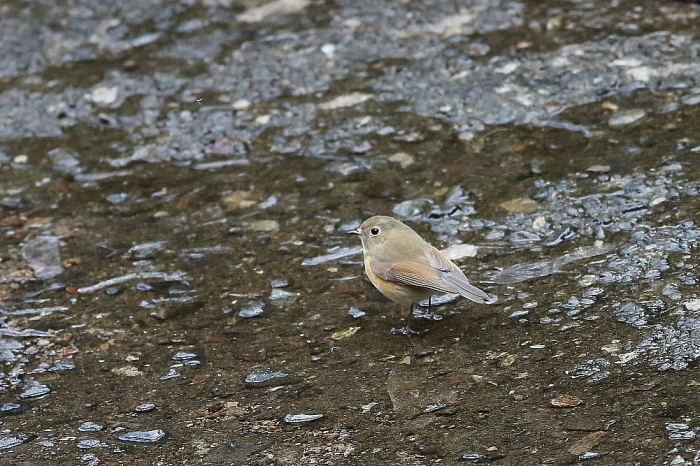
374 231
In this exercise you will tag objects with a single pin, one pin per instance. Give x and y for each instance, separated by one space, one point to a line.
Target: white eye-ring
374 231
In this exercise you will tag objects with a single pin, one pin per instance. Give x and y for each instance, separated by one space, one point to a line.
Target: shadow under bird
405 268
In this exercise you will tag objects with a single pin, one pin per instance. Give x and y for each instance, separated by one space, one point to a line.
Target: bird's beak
354 232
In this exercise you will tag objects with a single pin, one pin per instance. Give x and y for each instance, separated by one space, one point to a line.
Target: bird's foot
406 330
422 313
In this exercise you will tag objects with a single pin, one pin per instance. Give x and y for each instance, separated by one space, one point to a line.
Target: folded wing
436 273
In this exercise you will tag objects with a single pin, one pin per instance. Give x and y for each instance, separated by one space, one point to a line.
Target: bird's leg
406 329
429 315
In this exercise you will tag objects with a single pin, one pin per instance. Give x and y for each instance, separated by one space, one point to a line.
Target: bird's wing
446 279
453 275
439 261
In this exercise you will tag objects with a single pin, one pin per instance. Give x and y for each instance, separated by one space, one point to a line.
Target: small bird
405 268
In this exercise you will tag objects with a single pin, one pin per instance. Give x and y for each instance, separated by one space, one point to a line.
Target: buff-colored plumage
405 268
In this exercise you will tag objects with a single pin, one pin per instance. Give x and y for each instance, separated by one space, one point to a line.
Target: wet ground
176 184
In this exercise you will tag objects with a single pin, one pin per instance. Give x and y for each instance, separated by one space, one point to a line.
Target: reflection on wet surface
176 185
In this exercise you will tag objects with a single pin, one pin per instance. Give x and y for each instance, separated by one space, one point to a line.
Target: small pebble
268 377
301 418
251 309
150 436
145 407
356 313
90 426
626 117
